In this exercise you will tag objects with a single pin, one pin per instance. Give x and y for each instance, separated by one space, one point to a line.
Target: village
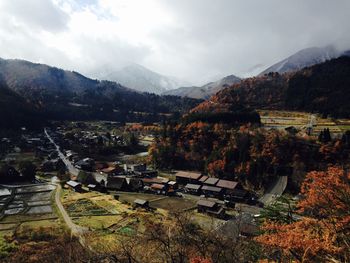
128 181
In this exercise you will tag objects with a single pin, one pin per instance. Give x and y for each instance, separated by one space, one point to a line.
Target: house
85 164
193 189
76 186
159 188
173 185
135 167
134 184
184 178
230 187
117 183
211 181
155 180
212 191
141 203
210 207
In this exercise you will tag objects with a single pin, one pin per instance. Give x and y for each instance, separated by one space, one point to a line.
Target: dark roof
227 184
188 175
203 178
193 186
116 182
211 188
211 181
206 203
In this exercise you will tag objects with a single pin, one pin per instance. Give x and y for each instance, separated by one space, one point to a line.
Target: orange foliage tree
322 234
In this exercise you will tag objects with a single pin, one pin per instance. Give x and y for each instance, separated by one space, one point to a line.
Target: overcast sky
194 40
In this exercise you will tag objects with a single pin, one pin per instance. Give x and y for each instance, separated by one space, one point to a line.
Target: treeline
247 154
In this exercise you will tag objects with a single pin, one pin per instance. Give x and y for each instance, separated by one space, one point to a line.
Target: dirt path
75 229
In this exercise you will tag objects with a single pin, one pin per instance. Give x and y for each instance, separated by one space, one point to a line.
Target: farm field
300 120
27 206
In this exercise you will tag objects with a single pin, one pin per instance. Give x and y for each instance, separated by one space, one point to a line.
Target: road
275 190
75 229
71 169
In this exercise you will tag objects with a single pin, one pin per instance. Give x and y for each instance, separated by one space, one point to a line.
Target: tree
28 170
323 232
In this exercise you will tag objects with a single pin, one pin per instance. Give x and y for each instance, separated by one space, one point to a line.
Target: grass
173 204
98 222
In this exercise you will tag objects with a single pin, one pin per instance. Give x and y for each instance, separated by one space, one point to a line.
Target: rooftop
206 203
189 175
211 188
211 181
227 184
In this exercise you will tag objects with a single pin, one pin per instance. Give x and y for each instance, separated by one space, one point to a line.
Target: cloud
196 40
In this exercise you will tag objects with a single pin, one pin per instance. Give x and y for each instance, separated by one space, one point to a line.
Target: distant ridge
206 91
304 58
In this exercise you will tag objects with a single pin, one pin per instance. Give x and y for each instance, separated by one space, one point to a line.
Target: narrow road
275 190
71 169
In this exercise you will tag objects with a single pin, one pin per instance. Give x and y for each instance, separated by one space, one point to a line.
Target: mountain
204 92
60 94
304 58
322 88
142 79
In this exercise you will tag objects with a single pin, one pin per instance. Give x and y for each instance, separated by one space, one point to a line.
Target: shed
76 186
210 207
141 203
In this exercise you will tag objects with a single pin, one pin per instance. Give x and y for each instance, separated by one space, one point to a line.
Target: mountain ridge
205 91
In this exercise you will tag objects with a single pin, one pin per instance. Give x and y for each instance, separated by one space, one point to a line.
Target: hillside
15 112
304 58
69 95
141 79
205 91
322 88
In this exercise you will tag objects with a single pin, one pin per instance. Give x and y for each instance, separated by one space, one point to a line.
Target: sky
193 40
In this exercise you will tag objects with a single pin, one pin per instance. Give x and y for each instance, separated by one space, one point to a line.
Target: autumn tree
322 234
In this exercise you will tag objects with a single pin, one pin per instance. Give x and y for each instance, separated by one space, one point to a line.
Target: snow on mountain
142 79
304 58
